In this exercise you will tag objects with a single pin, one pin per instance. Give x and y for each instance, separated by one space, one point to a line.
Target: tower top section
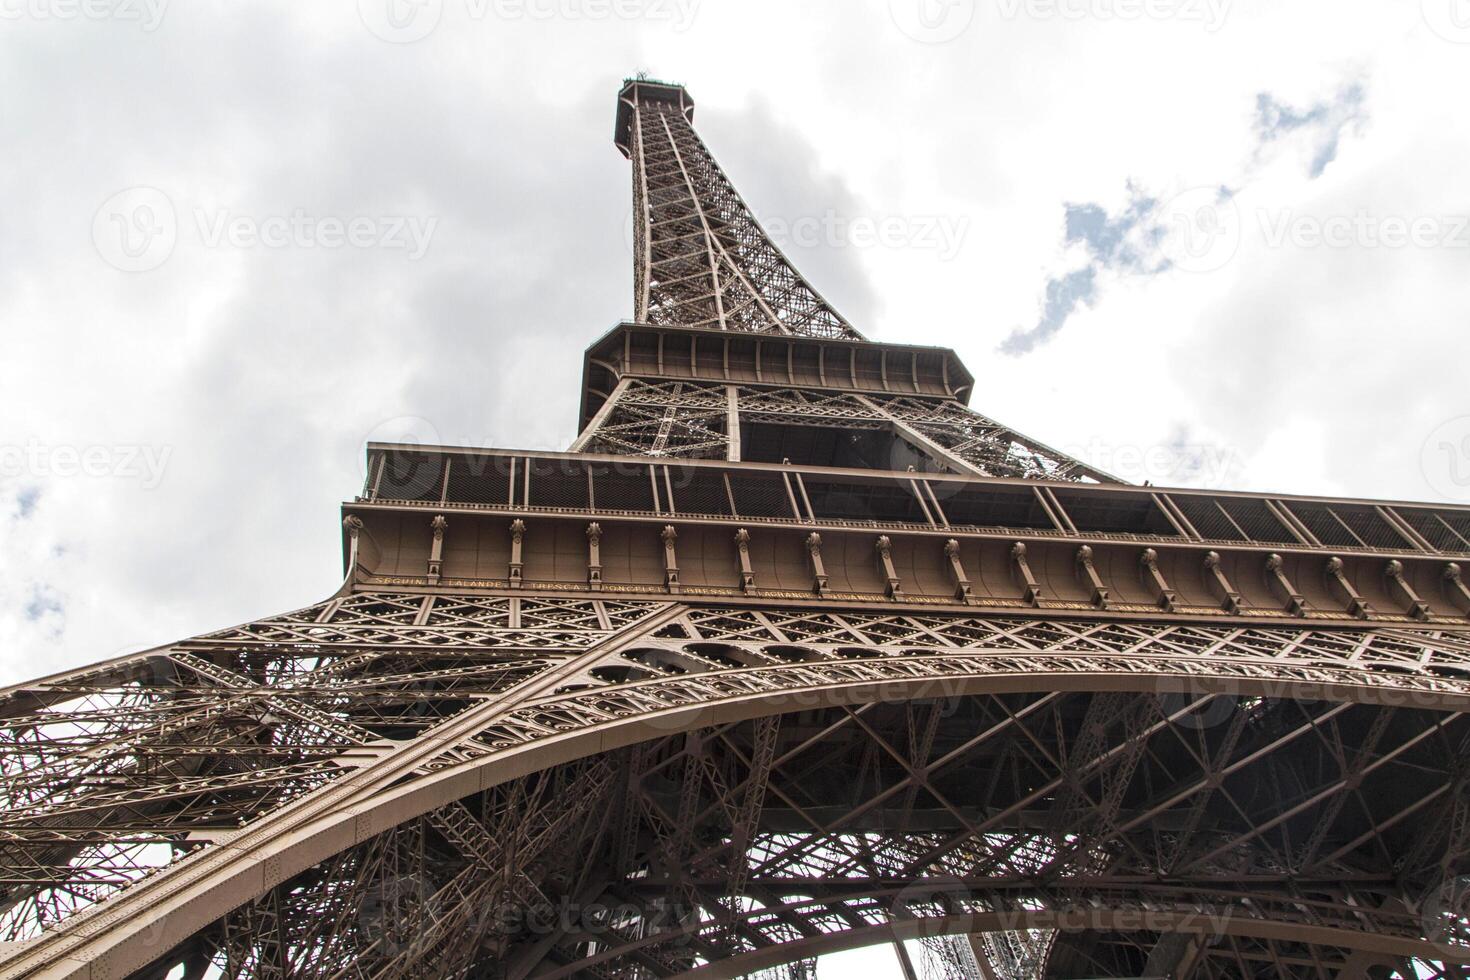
700 257
636 90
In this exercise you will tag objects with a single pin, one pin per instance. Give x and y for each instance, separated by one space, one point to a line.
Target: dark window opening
811 445
1103 513
699 491
1458 521
760 495
1434 530
887 501
1256 520
991 506
558 483
617 489
1207 517
1324 524
476 479
408 475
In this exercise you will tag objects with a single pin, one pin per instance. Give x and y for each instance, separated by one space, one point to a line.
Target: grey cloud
1322 124
1128 242
1063 296
1111 241
26 501
1190 459
44 604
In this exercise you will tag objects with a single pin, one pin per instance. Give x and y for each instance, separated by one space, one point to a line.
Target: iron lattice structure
791 653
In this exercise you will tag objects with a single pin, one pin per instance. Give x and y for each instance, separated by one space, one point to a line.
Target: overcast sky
1202 242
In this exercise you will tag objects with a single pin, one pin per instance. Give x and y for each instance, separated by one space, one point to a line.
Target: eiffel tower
792 653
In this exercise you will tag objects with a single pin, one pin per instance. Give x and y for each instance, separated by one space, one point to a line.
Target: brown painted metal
793 652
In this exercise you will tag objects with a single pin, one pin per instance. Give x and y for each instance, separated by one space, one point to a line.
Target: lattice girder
719 665
645 417
956 895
